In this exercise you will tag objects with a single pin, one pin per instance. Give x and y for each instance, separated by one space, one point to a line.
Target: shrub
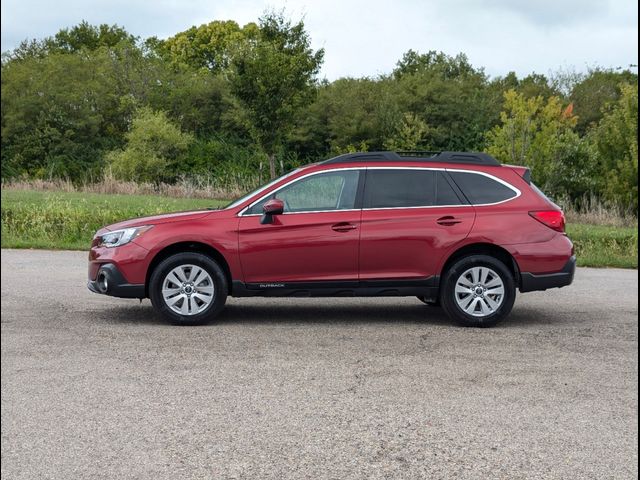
154 151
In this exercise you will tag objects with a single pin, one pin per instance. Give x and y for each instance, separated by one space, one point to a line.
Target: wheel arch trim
188 246
483 248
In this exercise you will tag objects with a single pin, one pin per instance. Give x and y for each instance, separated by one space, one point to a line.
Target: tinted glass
400 188
480 189
445 195
324 191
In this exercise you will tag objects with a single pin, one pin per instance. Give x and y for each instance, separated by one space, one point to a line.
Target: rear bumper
530 282
109 281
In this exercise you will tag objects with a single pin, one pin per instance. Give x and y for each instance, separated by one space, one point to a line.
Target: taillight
553 219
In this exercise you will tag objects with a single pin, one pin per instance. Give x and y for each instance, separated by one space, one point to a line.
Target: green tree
540 134
596 92
615 139
153 151
348 112
448 94
273 78
533 85
83 36
89 37
62 111
413 62
211 46
410 134
58 114
201 103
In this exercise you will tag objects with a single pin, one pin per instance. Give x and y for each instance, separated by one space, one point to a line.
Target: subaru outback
454 229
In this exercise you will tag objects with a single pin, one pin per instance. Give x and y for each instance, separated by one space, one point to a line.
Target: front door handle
448 221
344 227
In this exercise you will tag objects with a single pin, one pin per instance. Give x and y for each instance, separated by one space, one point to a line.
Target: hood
159 219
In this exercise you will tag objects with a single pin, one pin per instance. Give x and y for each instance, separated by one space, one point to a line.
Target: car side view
454 229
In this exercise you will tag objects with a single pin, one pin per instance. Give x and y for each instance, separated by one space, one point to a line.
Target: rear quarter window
480 189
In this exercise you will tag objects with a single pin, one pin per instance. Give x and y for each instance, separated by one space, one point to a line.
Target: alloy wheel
479 291
188 289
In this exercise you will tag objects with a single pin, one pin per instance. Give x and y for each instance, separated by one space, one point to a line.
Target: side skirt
352 288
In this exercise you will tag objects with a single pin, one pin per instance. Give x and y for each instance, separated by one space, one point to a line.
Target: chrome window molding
515 190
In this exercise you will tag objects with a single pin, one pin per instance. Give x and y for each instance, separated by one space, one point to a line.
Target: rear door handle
448 221
344 227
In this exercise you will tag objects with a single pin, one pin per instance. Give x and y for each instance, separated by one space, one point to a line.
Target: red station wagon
454 229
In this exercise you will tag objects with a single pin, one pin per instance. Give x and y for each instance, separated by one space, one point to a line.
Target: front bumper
109 281
530 282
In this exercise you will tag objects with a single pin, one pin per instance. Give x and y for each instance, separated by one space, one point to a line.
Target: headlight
122 237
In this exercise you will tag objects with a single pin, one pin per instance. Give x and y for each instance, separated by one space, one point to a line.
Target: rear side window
445 195
399 188
480 189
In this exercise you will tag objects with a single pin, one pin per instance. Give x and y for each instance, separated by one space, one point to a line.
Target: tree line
245 103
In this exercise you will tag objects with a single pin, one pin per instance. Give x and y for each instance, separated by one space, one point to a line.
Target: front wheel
188 288
478 291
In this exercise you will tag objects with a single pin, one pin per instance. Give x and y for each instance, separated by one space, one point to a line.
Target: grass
605 246
68 220
203 187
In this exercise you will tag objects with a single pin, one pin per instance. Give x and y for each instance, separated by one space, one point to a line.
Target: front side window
482 190
395 188
321 192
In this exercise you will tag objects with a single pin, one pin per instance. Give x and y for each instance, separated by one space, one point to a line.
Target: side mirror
273 207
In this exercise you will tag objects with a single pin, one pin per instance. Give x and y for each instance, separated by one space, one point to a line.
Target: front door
315 239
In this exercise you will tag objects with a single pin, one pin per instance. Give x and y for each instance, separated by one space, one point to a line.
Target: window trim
517 191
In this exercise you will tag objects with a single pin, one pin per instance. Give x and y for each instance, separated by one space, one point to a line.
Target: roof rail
364 157
417 153
473 158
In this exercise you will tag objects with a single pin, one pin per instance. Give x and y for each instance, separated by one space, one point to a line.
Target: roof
467 158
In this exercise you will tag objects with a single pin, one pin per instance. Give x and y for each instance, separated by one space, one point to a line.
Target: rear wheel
188 288
478 291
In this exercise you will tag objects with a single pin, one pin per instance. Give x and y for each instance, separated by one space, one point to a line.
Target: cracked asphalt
95 387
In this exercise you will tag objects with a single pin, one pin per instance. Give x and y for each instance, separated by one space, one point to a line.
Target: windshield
244 198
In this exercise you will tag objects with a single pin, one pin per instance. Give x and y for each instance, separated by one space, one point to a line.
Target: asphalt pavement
352 388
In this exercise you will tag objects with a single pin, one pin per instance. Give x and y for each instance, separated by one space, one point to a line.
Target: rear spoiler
524 172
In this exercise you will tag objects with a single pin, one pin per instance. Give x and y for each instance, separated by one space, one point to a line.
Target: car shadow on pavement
332 313
363 314
287 314
522 317
134 314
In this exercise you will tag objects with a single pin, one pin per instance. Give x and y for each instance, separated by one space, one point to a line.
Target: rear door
410 217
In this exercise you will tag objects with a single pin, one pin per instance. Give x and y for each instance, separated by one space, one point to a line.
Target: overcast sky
368 37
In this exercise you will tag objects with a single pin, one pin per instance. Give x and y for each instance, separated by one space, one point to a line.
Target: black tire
448 294
188 258
430 302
